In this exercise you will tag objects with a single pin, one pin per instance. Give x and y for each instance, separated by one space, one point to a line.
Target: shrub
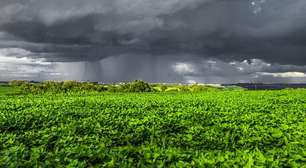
140 86
17 82
184 88
101 88
163 88
124 87
51 86
70 85
88 86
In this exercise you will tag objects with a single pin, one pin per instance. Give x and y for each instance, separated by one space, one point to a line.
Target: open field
202 129
8 90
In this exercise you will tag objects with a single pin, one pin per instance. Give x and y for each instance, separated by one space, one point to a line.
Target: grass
8 90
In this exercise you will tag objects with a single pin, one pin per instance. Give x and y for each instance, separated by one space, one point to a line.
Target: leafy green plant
170 129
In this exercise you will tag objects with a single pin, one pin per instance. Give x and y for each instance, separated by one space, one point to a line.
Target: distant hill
262 86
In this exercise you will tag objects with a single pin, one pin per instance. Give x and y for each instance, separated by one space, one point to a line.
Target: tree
140 86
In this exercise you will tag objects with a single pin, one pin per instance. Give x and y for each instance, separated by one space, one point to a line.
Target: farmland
8 90
166 129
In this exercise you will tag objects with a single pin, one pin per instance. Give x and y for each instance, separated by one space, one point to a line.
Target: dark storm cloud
151 37
92 29
75 30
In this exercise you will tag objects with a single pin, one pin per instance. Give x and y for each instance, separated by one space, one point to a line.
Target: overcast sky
211 41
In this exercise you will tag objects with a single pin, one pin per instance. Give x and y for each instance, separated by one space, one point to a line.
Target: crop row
229 128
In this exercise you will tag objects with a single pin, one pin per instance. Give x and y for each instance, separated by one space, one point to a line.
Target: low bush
140 86
17 82
163 88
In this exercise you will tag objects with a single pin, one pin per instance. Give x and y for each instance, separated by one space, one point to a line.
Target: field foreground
211 129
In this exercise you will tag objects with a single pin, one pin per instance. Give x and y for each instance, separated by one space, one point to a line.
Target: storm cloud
157 35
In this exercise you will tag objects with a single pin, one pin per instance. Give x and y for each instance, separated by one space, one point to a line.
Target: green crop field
201 129
8 90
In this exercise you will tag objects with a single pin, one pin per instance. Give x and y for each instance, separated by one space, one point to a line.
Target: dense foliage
135 86
74 86
203 129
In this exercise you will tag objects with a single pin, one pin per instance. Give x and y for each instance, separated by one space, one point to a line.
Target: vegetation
17 82
135 86
163 88
59 87
9 90
171 129
185 88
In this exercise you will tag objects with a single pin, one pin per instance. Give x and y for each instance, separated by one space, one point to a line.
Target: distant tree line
75 86
135 86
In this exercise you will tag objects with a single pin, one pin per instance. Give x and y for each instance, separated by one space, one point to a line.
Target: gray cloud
254 70
162 31
16 64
